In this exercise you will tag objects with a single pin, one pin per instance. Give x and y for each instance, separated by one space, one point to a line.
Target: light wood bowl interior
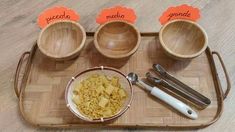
183 39
62 40
117 39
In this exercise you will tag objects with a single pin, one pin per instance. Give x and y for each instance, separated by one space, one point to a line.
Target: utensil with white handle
173 102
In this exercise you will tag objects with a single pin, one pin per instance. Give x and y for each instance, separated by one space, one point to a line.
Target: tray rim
218 89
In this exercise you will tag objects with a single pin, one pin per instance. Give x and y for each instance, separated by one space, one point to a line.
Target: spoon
173 102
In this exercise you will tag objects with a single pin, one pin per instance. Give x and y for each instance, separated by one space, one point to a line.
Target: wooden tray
41 91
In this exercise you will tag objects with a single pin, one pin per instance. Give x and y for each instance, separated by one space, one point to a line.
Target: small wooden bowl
183 39
62 40
107 71
117 39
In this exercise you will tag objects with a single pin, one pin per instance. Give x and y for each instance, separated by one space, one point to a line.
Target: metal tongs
168 81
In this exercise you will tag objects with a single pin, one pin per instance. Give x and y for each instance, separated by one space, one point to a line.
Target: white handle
142 84
175 103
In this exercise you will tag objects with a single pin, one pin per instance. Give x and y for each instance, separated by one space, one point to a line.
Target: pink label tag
180 12
56 13
116 13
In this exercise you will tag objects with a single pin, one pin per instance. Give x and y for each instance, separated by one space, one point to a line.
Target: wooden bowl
183 39
62 40
117 39
108 71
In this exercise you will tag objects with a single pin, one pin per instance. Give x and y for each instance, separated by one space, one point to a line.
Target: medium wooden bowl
62 40
183 39
117 39
107 71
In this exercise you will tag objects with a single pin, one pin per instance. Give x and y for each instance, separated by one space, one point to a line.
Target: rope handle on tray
225 94
17 73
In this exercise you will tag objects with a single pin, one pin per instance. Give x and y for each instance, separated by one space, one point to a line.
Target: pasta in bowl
99 94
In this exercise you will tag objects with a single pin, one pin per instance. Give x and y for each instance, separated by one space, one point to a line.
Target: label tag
180 12
116 13
56 13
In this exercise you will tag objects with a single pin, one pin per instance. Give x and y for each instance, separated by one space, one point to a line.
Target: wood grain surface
192 44
19 32
43 100
117 39
62 40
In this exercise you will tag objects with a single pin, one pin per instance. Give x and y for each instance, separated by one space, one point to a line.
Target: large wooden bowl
62 40
117 39
183 39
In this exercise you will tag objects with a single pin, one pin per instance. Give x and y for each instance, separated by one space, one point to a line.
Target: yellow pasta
99 96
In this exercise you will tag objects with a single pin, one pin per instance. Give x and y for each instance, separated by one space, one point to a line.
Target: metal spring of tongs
176 86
